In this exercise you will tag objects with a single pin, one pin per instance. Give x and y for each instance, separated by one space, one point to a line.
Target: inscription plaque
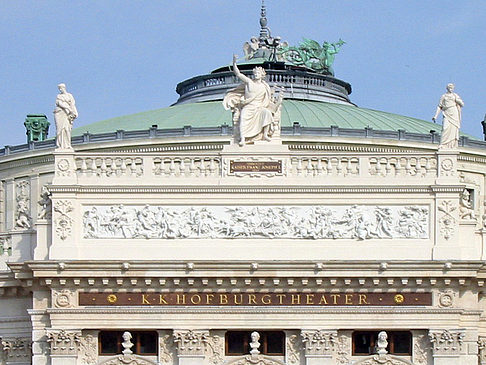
254 299
256 166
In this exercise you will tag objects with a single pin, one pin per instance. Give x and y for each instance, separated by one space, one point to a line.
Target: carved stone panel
356 222
5 245
88 349
482 350
447 218
166 348
63 221
446 342
421 349
64 298
294 349
23 219
190 342
318 343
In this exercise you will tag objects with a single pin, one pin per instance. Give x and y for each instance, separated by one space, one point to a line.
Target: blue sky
120 57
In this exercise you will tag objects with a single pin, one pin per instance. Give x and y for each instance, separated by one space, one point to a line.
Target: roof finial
264 30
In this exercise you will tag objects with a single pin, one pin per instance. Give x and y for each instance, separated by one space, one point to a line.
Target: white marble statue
451 105
382 343
254 107
64 115
466 208
254 344
127 343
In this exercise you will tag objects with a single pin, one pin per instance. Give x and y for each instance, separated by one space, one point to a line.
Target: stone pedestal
64 168
44 237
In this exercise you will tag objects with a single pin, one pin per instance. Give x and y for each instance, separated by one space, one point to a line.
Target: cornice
249 189
263 310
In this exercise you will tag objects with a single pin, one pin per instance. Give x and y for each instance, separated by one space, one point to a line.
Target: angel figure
250 48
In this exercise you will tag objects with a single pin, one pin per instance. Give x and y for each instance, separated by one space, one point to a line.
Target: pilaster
64 346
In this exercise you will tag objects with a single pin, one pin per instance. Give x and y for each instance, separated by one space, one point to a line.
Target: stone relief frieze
446 342
23 219
18 349
128 360
447 220
255 360
63 221
383 360
63 342
358 222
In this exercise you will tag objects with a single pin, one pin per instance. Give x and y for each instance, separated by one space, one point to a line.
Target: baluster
83 165
299 166
319 166
349 167
172 167
123 166
329 166
378 167
309 167
103 167
133 167
398 167
192 167
418 167
182 167
93 167
212 166
113 167
428 166
388 167
408 166
339 166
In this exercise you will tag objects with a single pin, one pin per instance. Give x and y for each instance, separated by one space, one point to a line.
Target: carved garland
63 221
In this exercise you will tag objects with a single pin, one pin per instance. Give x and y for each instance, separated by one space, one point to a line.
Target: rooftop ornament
450 105
312 55
37 127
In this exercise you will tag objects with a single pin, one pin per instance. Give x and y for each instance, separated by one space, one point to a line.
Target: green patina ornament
37 127
312 55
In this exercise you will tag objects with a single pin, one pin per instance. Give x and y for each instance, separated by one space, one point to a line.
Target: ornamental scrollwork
357 222
63 342
63 222
447 221
294 344
89 350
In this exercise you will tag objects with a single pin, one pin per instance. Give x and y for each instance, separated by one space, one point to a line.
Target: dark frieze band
255 299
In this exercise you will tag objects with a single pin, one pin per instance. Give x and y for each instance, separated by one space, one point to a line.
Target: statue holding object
255 107
451 106
64 115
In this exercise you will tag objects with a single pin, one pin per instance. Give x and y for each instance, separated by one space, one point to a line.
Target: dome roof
306 113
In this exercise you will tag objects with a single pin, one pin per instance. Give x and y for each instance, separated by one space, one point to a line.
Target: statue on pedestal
254 106
64 115
451 105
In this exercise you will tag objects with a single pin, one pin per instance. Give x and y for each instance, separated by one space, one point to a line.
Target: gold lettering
223 299
309 299
323 300
363 299
196 301
162 299
144 299
349 299
280 298
252 299
268 299
236 301
335 297
295 299
183 301
209 298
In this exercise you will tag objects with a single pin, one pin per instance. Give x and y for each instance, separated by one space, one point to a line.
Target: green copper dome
306 113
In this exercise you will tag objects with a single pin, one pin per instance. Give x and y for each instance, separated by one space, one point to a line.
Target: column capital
63 342
446 342
318 342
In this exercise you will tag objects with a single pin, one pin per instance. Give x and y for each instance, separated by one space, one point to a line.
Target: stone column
318 346
191 346
64 346
446 346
